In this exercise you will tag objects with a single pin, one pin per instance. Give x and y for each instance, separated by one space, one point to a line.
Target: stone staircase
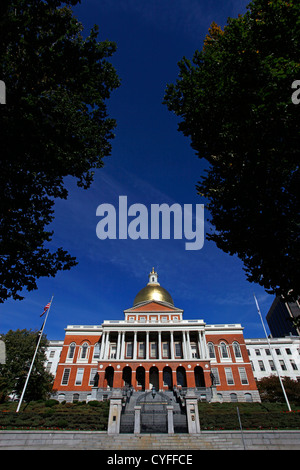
179 415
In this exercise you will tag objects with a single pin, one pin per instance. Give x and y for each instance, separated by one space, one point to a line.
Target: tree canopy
54 124
20 347
234 101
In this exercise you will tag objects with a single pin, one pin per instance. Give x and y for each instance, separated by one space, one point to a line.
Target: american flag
46 308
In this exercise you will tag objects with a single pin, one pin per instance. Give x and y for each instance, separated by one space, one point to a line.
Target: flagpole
33 359
274 362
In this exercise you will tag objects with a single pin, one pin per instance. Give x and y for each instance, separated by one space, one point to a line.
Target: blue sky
151 162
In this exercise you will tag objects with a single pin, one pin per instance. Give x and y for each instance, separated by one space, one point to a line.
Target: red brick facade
155 348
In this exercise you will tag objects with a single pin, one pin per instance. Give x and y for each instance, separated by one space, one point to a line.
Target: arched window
224 350
61 397
84 350
75 397
97 351
211 350
237 349
233 397
71 350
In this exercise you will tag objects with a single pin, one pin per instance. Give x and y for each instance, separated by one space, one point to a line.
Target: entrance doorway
140 378
109 376
181 376
153 378
167 377
199 377
126 376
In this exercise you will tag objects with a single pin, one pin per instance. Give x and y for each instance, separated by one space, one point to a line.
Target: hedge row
253 416
73 421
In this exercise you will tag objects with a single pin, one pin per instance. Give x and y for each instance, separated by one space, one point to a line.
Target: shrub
94 403
51 402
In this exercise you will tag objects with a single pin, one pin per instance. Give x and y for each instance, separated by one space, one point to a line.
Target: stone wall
97 440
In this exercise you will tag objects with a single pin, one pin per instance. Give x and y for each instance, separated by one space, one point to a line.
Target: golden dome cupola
153 291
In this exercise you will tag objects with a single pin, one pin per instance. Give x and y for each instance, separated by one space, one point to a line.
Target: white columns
102 345
135 346
172 345
200 345
198 335
106 346
184 346
123 346
189 355
204 346
118 345
159 345
147 345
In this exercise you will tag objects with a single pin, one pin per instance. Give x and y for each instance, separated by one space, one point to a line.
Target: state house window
79 376
142 349
194 350
153 350
211 351
261 365
113 351
65 378
178 349
129 349
243 376
84 350
92 376
224 350
288 351
215 374
71 350
52 354
96 351
237 349
166 350
229 376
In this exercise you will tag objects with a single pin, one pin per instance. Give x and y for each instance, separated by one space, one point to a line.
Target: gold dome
153 291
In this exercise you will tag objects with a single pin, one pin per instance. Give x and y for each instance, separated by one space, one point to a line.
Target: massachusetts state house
155 347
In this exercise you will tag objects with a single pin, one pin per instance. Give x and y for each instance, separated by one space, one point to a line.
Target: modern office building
281 318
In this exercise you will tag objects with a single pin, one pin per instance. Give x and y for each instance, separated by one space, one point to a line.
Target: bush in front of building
215 416
270 389
54 415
